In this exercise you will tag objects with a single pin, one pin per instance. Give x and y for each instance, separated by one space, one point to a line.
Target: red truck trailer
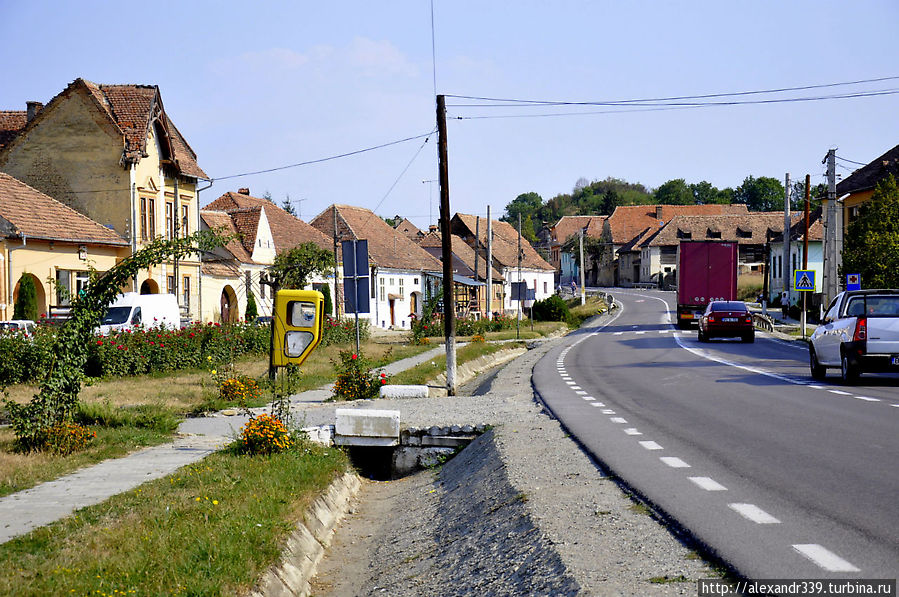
706 272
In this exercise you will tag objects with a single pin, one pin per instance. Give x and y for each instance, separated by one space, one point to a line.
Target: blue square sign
804 280
853 281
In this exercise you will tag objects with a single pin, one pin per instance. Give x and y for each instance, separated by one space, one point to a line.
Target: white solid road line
708 484
674 462
824 558
753 513
650 445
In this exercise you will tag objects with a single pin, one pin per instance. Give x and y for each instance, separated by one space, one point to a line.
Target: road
780 476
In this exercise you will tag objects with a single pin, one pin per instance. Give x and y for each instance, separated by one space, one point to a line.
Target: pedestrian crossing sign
804 280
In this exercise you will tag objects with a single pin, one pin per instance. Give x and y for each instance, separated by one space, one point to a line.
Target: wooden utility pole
808 184
336 293
520 298
489 265
785 256
477 241
583 278
449 310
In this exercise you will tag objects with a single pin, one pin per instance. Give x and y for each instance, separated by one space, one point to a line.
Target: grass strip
427 371
212 528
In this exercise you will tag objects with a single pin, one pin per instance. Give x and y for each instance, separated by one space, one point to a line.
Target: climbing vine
58 396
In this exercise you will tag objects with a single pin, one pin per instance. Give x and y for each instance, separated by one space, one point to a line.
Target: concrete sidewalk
48 502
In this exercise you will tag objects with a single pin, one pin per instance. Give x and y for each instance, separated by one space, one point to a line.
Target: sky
261 85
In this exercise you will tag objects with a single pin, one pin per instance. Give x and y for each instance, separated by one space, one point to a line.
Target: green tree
252 311
525 204
325 289
287 206
760 194
871 247
527 230
674 192
26 303
705 193
293 267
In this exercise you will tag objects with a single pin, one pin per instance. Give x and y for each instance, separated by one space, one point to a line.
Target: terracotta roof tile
505 242
462 253
11 124
287 231
868 176
754 228
409 229
630 221
39 216
568 226
386 246
224 269
219 220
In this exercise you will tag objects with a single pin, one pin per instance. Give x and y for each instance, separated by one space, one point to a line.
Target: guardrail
762 322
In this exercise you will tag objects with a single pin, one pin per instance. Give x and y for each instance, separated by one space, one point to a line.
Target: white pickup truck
860 332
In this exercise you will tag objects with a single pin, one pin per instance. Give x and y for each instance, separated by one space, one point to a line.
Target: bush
343 331
240 390
552 308
26 303
251 312
355 378
263 435
66 438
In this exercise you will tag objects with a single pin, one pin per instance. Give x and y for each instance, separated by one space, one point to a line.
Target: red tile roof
387 248
409 229
505 242
432 243
568 226
11 124
629 222
39 216
287 231
867 177
219 220
749 229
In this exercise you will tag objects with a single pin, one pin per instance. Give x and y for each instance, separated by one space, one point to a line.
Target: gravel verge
521 511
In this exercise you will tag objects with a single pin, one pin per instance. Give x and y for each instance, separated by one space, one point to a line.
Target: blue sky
254 86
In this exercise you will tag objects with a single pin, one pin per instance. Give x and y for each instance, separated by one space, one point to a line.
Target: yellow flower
215 502
213 372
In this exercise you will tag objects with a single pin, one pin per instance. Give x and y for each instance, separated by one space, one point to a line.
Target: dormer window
713 233
684 234
742 233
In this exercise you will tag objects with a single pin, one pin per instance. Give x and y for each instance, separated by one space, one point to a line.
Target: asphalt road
778 475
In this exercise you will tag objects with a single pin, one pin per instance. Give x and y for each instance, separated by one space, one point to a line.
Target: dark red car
726 319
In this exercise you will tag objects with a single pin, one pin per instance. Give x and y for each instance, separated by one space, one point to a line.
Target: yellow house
54 244
112 153
859 186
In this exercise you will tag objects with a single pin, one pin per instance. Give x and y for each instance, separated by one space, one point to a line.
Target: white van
131 310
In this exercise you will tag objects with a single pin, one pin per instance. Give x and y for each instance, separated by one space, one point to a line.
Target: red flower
99 342
43 315
383 381
162 346
354 357
191 335
151 343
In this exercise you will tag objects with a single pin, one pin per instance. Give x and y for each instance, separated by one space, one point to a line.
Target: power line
850 161
665 99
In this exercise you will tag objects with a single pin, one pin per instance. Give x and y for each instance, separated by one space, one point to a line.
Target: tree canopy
871 247
760 194
293 267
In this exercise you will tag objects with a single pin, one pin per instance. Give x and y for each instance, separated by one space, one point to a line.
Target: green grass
427 371
212 528
581 313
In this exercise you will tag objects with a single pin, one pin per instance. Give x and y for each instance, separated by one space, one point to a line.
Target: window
169 220
544 288
151 218
401 286
383 290
170 284
143 218
185 290
415 281
184 228
248 283
69 284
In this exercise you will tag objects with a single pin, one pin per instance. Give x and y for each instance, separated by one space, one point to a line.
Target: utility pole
449 312
785 263
489 264
520 298
808 190
336 293
833 230
477 242
430 198
583 285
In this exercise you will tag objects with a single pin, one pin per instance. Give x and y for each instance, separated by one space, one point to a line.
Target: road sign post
804 282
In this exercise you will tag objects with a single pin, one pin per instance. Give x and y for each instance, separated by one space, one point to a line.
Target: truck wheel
848 371
819 371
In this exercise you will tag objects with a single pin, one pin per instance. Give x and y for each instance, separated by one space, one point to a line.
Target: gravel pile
521 511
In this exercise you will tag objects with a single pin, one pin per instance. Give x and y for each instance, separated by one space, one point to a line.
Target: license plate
729 319
894 360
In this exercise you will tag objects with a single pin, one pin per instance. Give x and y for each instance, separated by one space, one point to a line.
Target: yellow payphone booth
297 326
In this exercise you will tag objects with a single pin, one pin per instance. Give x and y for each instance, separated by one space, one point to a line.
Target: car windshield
116 315
874 306
729 306
8 325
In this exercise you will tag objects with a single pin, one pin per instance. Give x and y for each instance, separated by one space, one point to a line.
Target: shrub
26 303
552 308
240 390
263 434
251 312
66 437
343 331
355 378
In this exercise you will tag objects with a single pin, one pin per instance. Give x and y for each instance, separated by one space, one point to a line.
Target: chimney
658 212
33 108
432 228
243 191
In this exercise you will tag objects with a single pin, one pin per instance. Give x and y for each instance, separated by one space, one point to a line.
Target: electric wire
850 161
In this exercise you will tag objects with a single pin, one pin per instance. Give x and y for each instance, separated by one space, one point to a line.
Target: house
531 268
629 225
751 231
54 244
258 231
470 288
797 244
409 229
400 269
113 154
859 186
565 257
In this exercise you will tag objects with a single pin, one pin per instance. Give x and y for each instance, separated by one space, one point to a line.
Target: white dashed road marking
824 558
608 411
708 484
868 399
651 445
588 398
597 404
840 392
674 462
753 513
618 420
632 431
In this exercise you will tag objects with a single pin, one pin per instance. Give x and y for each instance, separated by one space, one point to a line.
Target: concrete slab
407 391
